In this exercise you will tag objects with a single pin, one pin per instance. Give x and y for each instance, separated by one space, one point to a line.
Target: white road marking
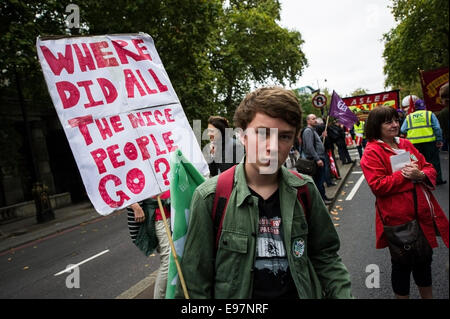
355 188
82 262
357 172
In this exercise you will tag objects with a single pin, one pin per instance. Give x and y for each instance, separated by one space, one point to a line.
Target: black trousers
401 276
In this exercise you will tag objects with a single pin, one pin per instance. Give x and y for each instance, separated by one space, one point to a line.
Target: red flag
431 81
412 107
332 165
348 138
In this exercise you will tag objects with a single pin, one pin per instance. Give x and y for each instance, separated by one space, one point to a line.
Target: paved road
357 234
30 271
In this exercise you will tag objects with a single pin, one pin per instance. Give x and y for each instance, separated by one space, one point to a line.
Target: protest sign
120 113
361 105
431 81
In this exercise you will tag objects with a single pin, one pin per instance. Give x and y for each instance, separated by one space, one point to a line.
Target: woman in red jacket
394 191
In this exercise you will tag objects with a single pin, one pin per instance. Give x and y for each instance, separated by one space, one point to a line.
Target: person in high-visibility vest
360 139
423 130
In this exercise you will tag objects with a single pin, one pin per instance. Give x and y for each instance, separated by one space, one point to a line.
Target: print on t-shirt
271 277
270 245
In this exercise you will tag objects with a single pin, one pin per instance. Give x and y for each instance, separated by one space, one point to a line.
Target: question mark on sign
157 169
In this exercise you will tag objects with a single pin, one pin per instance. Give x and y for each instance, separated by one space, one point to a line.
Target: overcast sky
343 42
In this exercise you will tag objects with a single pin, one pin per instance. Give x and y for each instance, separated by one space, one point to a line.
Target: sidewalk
18 232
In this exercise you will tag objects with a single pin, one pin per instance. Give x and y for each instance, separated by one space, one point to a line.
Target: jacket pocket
233 242
231 259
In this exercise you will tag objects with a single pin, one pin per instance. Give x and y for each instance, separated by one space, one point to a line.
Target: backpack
223 192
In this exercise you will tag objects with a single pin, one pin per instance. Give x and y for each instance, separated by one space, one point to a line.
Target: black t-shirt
272 277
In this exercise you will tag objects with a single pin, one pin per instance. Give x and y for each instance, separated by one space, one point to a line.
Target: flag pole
172 247
326 125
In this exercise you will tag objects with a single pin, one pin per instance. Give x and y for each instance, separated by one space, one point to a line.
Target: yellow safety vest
359 129
419 127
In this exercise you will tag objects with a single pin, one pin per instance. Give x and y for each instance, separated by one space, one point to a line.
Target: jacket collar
288 179
241 182
386 146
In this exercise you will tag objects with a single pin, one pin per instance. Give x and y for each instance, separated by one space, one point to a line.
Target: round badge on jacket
298 248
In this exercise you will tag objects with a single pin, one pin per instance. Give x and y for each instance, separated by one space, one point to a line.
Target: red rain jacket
394 193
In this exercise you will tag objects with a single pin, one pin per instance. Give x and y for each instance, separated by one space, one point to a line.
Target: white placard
399 161
120 113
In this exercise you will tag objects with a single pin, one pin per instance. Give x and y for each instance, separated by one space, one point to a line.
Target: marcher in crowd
136 218
344 155
401 116
225 151
360 138
407 102
423 130
333 132
328 145
267 248
443 114
395 192
313 149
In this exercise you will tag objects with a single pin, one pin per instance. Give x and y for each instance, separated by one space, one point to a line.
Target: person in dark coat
339 136
328 144
225 151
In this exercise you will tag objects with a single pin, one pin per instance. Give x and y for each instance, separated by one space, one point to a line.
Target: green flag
184 180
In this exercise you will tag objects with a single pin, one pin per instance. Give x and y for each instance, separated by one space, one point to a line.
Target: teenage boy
269 246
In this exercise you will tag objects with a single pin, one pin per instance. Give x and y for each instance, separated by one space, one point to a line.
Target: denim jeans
319 179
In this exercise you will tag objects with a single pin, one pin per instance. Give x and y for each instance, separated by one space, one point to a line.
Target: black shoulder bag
407 242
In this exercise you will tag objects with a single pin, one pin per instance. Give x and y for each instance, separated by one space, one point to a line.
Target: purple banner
340 110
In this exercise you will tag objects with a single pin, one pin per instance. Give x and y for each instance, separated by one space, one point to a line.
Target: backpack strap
223 191
303 196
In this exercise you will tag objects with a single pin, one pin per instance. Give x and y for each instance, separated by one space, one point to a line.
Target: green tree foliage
359 91
420 41
21 23
214 51
253 49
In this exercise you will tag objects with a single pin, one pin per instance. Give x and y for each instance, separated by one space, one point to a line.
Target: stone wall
28 209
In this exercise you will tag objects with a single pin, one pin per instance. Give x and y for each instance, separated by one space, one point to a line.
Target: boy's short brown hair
276 102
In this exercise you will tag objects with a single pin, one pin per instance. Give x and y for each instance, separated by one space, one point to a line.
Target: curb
340 185
140 287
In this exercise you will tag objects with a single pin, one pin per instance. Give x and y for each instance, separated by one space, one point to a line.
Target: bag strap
303 196
222 196
223 191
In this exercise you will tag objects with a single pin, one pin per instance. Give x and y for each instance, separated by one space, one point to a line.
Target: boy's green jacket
311 246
